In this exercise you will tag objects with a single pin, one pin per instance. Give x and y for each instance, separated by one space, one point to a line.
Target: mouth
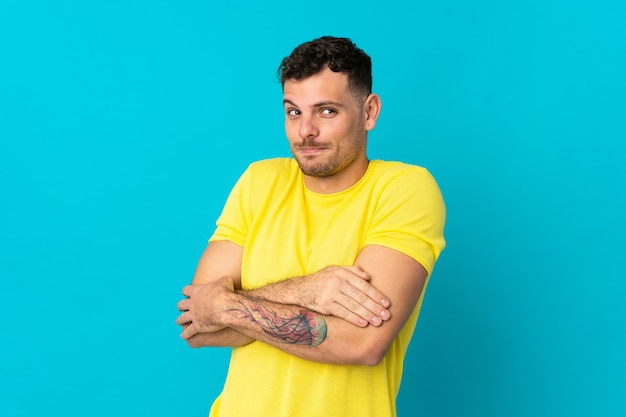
311 150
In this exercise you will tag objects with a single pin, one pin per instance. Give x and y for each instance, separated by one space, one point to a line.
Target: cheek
345 134
335 130
291 131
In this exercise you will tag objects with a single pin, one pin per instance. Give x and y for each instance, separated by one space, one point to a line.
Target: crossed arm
335 315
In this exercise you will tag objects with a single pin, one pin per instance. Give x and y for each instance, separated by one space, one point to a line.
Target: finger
183 305
341 312
212 329
363 299
359 272
187 290
228 281
183 319
370 291
189 332
371 316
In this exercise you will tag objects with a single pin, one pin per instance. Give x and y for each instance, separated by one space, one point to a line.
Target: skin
341 314
327 125
211 313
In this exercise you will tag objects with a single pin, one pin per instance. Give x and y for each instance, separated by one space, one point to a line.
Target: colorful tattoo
302 328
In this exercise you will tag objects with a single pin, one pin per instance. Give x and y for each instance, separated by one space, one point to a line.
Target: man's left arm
311 335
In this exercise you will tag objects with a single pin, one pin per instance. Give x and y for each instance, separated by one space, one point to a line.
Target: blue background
123 125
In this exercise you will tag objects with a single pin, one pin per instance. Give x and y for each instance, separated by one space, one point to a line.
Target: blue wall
123 126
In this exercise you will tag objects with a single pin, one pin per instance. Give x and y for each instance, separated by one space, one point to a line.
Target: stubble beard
335 163
319 170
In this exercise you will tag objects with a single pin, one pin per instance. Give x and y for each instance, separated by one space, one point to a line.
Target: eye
293 112
328 112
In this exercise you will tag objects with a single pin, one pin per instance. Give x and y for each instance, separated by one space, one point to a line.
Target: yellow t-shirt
287 231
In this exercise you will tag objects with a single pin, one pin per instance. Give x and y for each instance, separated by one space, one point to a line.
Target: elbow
374 358
369 355
194 342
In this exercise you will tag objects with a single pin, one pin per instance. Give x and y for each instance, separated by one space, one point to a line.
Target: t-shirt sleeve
410 217
234 221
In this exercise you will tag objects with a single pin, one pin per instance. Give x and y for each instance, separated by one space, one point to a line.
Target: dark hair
338 54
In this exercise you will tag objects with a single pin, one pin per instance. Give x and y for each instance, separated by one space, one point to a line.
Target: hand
344 292
200 310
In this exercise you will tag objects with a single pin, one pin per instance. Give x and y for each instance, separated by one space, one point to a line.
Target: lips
310 145
309 151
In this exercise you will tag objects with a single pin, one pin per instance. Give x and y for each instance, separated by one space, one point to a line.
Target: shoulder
410 189
386 173
410 213
269 175
274 167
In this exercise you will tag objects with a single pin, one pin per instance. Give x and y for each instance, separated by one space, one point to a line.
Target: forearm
298 331
334 329
288 291
226 337
339 291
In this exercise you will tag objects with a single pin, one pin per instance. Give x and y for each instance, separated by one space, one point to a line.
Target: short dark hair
338 54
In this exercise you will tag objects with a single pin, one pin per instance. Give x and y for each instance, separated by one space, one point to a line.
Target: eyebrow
316 105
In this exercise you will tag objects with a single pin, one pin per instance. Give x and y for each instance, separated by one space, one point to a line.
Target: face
326 125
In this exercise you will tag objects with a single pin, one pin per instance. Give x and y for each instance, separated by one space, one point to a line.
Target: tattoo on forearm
301 328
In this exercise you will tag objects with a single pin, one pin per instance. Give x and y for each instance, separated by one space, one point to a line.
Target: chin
316 170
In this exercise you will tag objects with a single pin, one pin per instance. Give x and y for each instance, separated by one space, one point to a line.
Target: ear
372 106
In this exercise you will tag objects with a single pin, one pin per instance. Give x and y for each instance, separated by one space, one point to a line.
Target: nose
308 127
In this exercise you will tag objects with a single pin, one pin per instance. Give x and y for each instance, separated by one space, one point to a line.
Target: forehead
326 85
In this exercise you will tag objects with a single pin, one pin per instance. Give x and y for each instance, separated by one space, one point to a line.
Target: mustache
310 143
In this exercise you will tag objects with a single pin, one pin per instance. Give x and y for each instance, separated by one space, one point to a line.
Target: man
316 271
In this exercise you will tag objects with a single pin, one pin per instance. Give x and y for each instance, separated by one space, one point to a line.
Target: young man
316 271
